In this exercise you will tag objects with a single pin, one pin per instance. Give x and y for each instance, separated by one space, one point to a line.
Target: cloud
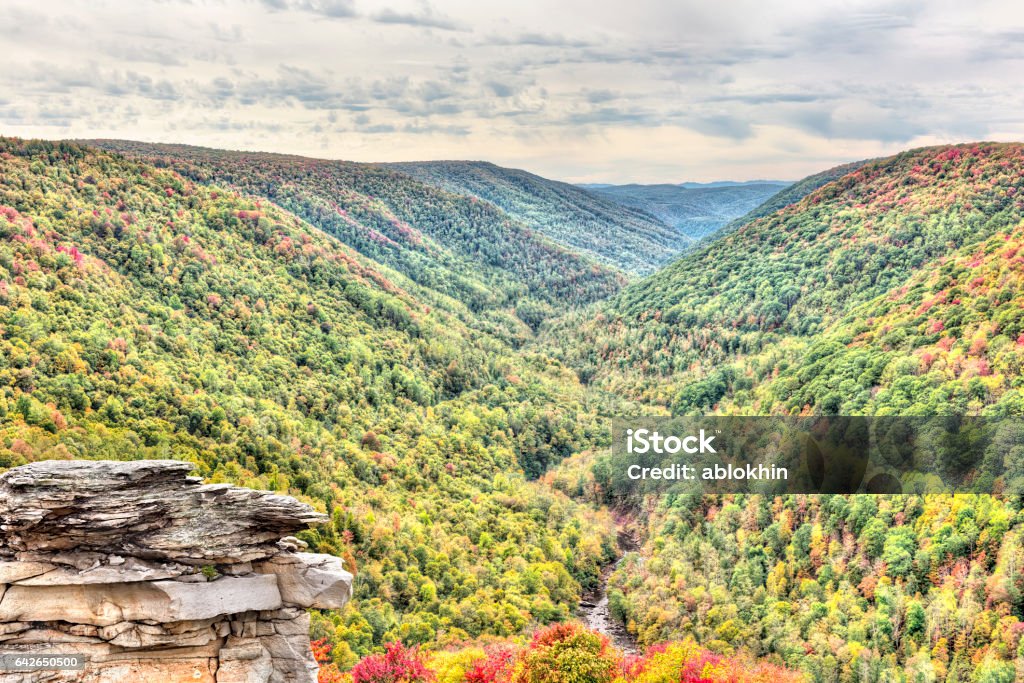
49 79
500 89
999 46
531 82
436 129
722 126
537 40
607 115
853 31
600 96
143 53
432 91
333 9
761 98
426 18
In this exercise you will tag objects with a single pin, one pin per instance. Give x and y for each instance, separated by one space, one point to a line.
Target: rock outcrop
154 576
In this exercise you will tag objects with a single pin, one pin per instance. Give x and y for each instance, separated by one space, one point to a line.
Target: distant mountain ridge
623 236
694 209
690 185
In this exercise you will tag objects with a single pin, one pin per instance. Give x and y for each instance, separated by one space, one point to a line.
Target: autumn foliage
398 664
569 653
566 653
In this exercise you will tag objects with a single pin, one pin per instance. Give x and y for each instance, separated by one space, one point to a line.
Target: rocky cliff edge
153 576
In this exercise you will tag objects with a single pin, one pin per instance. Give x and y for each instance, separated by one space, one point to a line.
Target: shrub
686 662
566 653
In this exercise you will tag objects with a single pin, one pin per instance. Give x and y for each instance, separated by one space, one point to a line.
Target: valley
430 355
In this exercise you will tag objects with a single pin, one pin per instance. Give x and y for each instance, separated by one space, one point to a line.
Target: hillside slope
621 236
453 244
145 315
792 194
673 338
694 211
894 290
950 340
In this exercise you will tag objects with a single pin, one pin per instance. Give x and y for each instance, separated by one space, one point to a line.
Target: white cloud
584 90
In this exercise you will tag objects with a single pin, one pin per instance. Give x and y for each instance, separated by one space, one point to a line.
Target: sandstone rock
80 561
201 670
11 572
165 601
173 671
292 544
147 509
113 560
238 569
10 629
126 571
310 580
244 661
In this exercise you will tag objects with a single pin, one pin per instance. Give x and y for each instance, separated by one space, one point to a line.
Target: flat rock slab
148 509
43 574
158 601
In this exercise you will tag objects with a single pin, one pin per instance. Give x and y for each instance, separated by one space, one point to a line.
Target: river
594 610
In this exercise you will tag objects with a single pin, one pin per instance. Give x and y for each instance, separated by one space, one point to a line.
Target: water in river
594 610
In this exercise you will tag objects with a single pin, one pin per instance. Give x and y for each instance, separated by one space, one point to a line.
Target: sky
594 91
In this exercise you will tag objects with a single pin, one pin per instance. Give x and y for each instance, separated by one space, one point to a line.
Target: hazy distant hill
734 183
694 209
794 193
623 236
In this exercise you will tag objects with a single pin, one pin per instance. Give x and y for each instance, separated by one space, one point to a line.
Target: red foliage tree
496 667
398 664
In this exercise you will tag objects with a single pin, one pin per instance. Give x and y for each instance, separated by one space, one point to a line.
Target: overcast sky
595 90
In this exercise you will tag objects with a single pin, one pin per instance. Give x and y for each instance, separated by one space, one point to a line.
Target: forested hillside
842 588
622 236
376 361
894 290
948 341
724 317
145 315
453 244
793 193
696 212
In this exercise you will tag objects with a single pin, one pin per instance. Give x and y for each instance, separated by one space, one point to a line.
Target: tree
566 653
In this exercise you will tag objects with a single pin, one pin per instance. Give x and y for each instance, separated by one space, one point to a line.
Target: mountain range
632 240
429 353
695 210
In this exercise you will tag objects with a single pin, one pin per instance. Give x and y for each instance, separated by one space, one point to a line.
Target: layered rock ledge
154 576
